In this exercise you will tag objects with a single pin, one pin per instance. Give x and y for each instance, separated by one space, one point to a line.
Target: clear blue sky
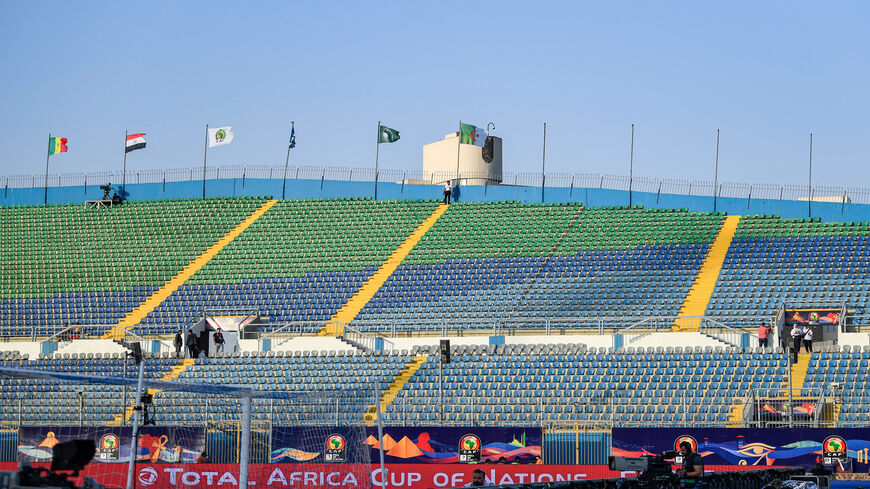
765 73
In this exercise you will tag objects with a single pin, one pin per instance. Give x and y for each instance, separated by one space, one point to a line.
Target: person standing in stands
808 338
177 342
763 333
448 191
218 342
796 336
192 350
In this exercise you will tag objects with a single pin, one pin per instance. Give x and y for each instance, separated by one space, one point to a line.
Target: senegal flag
56 145
472 135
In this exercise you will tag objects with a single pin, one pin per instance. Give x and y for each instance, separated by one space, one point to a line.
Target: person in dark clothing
192 349
796 336
218 342
202 344
177 342
693 465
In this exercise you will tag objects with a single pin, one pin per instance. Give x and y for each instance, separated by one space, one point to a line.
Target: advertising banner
432 445
777 410
812 317
754 446
339 476
156 444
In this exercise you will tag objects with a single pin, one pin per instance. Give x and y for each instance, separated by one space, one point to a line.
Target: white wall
860 339
29 348
302 343
439 158
89 346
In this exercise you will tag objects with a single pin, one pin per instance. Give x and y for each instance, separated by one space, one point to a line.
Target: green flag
472 135
387 135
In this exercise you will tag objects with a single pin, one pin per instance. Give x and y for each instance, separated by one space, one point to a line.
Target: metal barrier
658 186
574 444
223 440
8 443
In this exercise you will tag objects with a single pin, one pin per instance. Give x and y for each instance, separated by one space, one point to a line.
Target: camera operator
693 466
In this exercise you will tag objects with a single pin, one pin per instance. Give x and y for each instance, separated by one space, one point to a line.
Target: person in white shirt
448 191
796 335
808 338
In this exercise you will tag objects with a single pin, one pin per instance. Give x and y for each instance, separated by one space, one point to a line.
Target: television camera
71 456
107 189
654 470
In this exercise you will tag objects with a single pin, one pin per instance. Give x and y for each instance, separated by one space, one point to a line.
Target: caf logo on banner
220 135
680 439
469 449
336 449
834 450
110 447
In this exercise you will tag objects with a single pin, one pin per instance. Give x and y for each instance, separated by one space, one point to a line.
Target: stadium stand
796 261
526 264
46 401
300 262
485 385
77 265
480 263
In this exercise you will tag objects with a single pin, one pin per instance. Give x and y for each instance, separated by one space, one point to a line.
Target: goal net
191 434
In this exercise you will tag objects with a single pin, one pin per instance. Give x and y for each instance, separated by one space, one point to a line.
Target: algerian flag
387 135
472 135
220 136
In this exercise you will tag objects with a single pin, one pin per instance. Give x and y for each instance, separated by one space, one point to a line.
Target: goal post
294 427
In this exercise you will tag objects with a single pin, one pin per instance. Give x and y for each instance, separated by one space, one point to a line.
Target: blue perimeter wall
308 189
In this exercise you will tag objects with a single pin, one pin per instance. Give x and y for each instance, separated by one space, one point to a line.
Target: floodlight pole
137 413
244 456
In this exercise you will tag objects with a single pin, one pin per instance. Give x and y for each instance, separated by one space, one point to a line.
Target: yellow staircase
355 304
395 386
135 316
799 373
173 374
695 303
735 416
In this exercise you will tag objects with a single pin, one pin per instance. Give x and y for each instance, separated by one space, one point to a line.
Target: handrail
366 341
740 190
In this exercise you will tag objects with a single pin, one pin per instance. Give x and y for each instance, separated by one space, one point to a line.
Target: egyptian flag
135 141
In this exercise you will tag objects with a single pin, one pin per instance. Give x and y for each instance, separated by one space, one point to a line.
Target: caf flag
220 136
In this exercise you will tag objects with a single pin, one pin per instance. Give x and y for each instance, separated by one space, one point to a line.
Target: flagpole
810 183
543 163
287 161
47 155
124 176
631 166
204 160
716 173
377 154
458 146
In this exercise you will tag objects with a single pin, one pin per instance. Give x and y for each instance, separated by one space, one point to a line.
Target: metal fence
740 190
